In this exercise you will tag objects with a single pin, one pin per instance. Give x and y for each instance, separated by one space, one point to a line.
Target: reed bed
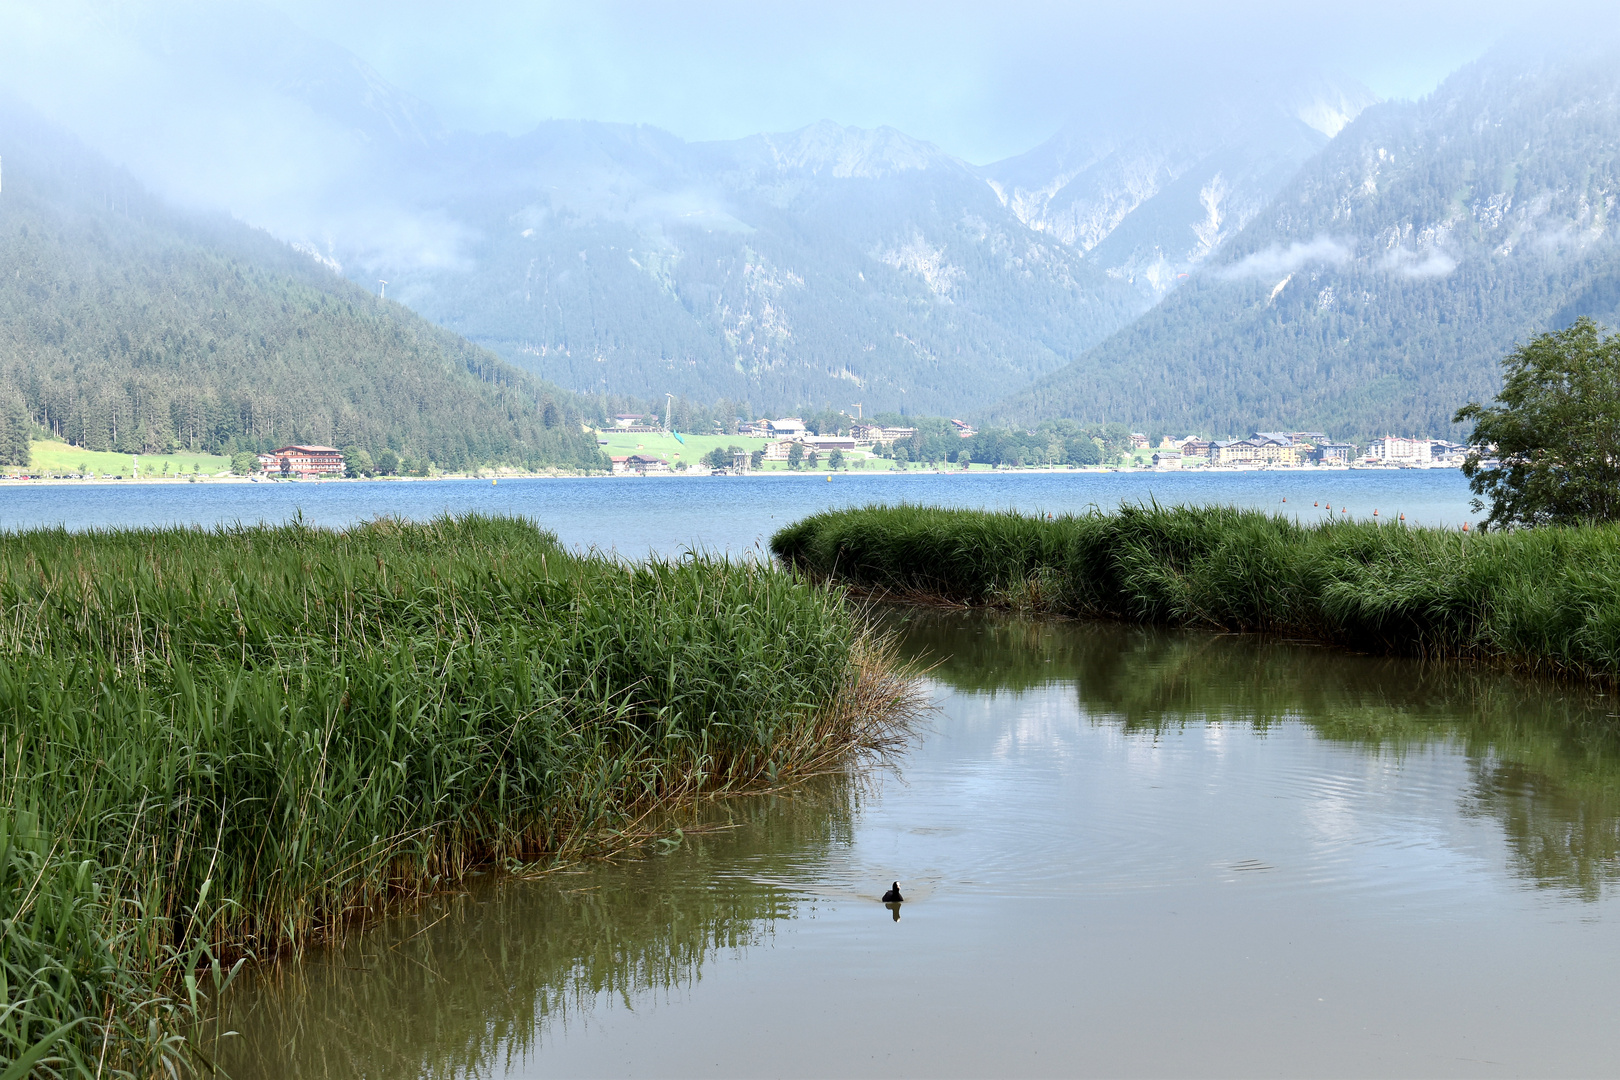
1544 599
216 744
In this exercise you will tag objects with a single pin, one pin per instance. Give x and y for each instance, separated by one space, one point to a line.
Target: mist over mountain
1382 287
129 325
826 265
1150 187
1217 245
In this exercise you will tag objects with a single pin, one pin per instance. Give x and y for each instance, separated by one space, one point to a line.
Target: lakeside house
1394 450
1261 448
788 427
828 442
304 460
875 433
638 464
1334 453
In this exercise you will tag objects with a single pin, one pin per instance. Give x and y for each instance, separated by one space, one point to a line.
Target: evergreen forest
127 325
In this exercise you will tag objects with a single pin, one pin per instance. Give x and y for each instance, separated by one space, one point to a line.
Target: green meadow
60 459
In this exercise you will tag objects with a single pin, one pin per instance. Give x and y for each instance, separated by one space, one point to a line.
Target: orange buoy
1403 517
1375 513
1465 526
1316 504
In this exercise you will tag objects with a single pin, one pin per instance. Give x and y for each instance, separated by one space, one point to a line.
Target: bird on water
893 895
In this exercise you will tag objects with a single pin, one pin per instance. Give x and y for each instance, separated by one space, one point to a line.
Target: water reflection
777 899
1544 756
470 985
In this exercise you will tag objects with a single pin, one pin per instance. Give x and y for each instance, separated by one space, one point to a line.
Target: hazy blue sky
982 80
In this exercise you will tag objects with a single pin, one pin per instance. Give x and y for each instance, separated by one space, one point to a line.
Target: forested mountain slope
828 265
1379 291
126 325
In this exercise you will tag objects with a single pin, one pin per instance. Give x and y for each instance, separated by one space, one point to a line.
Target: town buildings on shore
1267 449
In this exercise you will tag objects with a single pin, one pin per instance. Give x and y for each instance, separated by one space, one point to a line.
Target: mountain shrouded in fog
1380 289
825 265
1211 240
128 325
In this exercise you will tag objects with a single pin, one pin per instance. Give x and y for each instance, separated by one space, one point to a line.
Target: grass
217 744
58 458
1542 599
667 447
695 446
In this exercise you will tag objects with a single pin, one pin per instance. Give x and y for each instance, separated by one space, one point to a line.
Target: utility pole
857 407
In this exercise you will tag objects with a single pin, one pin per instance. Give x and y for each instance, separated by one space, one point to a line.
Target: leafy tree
756 459
812 460
835 459
357 462
721 457
1556 430
387 462
795 455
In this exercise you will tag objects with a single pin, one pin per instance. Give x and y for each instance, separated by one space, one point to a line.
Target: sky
983 81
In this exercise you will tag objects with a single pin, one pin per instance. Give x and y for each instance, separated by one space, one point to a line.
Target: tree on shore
1555 430
795 455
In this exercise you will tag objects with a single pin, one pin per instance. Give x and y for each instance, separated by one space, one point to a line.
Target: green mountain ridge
128 325
1379 291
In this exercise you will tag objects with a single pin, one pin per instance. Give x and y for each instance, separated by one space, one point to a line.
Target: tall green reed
244 738
1544 598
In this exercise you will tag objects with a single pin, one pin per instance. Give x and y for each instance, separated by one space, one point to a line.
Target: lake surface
732 513
1125 851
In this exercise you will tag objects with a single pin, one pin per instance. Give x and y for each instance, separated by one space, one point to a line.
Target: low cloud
1277 260
1432 263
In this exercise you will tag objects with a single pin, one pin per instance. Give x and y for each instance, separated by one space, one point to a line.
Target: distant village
789 439
1302 448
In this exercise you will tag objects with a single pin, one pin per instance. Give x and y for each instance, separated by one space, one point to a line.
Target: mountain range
828 265
1217 256
1382 286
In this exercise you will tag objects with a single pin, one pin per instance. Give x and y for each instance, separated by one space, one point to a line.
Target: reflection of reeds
1544 599
469 983
219 743
1544 754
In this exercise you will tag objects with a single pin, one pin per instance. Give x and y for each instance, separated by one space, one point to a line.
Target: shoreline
1534 600
853 474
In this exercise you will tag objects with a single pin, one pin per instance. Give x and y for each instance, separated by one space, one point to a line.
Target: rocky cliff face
1150 188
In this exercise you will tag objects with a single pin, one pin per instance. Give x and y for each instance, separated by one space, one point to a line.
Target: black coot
893 895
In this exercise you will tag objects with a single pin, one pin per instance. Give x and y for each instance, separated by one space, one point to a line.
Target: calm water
1125 851
638 515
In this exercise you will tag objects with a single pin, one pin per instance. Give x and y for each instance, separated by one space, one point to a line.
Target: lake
732 513
1125 852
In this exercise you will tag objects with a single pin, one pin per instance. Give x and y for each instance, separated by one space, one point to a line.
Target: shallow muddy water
1124 852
